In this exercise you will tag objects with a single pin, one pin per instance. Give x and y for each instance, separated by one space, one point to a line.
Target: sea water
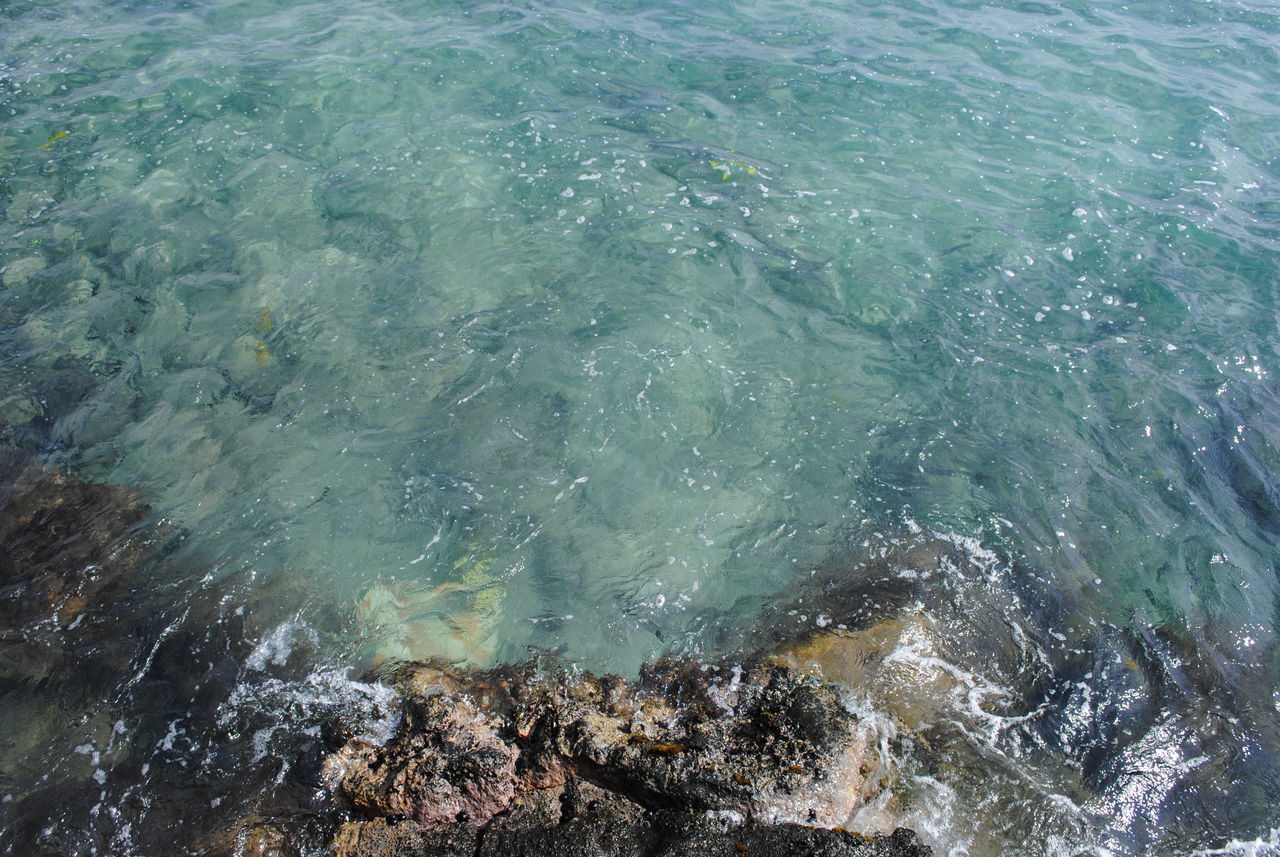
473 329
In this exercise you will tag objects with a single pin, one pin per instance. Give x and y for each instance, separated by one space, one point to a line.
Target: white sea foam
1263 846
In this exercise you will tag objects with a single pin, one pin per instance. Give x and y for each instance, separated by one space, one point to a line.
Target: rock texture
447 764
54 527
581 820
690 759
69 546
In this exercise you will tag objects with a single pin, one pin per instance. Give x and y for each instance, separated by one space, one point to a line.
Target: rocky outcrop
447 764
582 820
689 759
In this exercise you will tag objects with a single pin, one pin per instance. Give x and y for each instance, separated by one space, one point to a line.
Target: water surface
462 329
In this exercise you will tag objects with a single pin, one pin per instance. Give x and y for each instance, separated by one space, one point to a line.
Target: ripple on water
471 330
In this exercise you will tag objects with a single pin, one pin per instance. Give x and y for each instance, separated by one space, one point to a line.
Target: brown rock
381 837
899 663
70 547
772 745
446 764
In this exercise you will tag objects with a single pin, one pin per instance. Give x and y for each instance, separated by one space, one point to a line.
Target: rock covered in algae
456 621
689 759
900 663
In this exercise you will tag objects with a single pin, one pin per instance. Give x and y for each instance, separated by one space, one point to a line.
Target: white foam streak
1263 846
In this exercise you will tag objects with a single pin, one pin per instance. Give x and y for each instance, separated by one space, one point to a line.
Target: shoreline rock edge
690 759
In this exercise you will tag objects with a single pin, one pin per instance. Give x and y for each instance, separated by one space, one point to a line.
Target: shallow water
461 329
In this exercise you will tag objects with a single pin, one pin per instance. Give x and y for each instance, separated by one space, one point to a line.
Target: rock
575 819
582 820
28 206
56 528
586 821
151 263
20 271
79 291
18 405
899 662
263 834
685 835
1100 700
261 838
689 759
385 838
161 188
447 765
774 747
68 546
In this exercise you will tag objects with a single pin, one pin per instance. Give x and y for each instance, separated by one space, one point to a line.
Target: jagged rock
685 836
689 759
582 820
447 764
570 820
770 745
381 837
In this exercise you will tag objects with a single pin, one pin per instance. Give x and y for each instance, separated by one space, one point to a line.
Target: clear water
465 328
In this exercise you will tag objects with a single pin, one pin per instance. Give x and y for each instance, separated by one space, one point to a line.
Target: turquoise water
458 329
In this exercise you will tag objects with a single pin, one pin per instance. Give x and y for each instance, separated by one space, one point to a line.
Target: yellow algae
48 144
262 326
487 594
454 622
726 168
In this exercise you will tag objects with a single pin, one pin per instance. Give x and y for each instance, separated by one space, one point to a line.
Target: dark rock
381 837
1100 701
583 820
69 547
685 835
586 821
570 820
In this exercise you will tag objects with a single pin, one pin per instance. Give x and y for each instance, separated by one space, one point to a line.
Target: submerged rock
69 546
1010 712
689 759
455 622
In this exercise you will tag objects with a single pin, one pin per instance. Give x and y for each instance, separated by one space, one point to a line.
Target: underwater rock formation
69 545
689 759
